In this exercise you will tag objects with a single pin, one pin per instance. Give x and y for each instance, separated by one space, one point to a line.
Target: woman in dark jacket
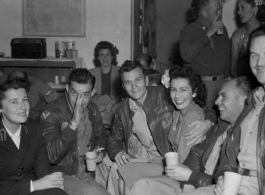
24 163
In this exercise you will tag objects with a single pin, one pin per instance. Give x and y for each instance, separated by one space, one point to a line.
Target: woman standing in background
252 14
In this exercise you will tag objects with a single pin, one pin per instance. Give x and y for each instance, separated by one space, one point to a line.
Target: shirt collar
133 103
259 96
17 134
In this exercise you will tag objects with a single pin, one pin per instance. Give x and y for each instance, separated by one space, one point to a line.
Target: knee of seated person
114 166
56 191
142 181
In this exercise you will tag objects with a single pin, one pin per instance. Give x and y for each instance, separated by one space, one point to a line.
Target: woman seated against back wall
108 87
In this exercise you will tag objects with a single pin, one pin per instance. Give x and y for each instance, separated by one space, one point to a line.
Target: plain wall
108 20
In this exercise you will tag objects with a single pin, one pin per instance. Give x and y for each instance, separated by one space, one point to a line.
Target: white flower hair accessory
165 79
258 2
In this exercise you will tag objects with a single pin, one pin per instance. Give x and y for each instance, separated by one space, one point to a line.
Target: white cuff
31 186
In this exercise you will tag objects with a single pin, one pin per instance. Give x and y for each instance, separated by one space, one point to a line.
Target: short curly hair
195 81
14 83
105 45
82 76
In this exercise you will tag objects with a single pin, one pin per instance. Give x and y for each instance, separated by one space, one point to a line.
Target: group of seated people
47 155
132 116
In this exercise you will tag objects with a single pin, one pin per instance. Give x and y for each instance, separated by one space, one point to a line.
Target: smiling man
245 151
142 122
72 126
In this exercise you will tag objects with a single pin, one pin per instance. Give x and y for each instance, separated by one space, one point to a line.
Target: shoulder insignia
45 114
48 93
2 134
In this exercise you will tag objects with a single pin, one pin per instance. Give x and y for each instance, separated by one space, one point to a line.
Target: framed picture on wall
54 18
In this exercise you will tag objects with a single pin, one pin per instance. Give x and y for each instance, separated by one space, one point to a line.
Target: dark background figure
251 16
153 77
204 50
149 63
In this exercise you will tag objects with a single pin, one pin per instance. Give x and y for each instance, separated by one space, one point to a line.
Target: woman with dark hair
108 87
188 94
24 164
252 15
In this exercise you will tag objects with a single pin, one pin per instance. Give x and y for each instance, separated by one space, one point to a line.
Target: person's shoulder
236 34
92 107
115 67
195 109
123 105
32 128
59 102
94 71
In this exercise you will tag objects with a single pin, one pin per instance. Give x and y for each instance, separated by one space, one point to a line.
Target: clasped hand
122 158
179 173
54 180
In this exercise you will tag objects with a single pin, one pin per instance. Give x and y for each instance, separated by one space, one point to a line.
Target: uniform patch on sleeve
45 114
64 125
48 93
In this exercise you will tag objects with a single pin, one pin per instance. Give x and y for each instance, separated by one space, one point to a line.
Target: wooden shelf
44 69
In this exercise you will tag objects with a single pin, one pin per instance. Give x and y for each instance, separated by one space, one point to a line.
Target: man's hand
200 128
219 187
217 24
77 112
122 158
100 157
179 173
54 180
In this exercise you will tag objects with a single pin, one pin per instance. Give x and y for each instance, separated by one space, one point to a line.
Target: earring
194 95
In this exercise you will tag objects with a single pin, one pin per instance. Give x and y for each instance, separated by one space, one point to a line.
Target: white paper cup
232 182
91 160
171 158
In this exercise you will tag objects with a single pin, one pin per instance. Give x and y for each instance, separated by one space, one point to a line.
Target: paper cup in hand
171 158
232 182
91 160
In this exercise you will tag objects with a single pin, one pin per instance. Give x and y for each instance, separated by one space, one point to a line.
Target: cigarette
100 149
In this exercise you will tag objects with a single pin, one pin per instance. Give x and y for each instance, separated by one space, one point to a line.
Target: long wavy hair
105 45
195 81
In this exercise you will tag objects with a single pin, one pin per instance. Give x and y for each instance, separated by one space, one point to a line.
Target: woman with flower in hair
108 87
188 94
252 15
